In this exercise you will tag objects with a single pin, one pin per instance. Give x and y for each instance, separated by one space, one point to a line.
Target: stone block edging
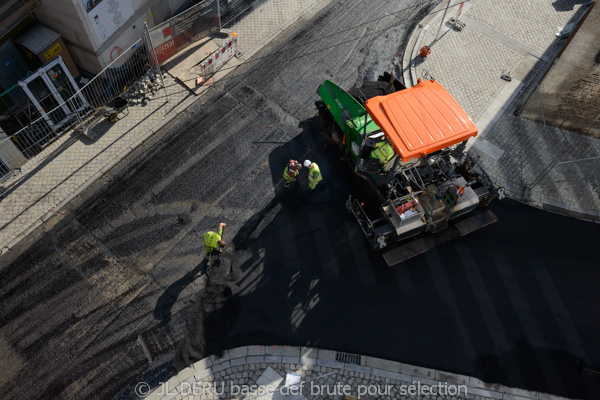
372 366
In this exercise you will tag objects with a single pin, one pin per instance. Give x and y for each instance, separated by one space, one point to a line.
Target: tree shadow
272 292
315 143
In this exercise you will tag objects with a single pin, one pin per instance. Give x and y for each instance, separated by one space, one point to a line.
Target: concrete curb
553 206
390 371
411 50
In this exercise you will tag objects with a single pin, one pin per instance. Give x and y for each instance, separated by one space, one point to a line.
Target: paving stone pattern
54 179
46 183
264 21
320 383
476 82
469 64
261 372
531 22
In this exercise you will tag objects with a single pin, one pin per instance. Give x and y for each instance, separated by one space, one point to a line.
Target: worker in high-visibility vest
213 240
383 152
291 171
314 174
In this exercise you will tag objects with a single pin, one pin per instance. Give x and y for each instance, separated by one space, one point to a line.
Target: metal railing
84 108
175 34
31 143
131 65
554 161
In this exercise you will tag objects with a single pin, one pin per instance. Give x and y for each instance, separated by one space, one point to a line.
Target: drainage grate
347 358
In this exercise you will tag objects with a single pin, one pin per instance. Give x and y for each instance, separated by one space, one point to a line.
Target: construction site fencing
215 61
180 31
79 112
120 74
83 108
573 165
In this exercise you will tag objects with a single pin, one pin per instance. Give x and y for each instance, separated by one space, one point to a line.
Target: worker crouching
290 173
314 174
213 241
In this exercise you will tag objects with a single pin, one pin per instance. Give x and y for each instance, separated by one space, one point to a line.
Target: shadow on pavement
283 256
567 5
164 304
573 376
210 316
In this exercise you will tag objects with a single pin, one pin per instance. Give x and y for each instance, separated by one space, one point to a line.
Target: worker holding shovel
213 241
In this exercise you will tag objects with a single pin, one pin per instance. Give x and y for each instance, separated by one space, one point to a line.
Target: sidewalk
499 39
260 372
518 36
42 188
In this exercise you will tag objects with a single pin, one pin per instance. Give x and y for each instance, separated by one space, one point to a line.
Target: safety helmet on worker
307 163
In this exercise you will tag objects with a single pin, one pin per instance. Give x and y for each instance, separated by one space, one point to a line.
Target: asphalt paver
118 292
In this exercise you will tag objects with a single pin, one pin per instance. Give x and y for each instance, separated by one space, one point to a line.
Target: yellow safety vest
315 173
211 239
383 151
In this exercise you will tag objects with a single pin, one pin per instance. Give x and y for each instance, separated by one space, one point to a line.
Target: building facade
98 31
49 49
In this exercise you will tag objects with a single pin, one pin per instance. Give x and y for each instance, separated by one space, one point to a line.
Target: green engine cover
348 113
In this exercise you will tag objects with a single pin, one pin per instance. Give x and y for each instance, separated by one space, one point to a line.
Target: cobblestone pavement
74 162
506 140
45 185
262 373
518 36
264 21
519 154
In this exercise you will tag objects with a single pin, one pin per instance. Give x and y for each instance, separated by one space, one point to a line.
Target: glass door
65 88
48 101
54 92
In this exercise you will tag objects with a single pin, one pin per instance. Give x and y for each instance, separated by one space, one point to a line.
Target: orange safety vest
291 169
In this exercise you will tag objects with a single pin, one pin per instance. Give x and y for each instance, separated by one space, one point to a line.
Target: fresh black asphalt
117 291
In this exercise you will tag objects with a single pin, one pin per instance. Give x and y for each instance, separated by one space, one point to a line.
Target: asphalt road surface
117 292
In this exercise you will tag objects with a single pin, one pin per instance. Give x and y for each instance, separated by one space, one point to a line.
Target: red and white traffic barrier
218 59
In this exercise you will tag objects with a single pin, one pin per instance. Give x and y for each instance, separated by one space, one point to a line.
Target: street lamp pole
442 22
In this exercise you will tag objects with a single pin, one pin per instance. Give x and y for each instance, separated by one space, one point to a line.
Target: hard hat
307 163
